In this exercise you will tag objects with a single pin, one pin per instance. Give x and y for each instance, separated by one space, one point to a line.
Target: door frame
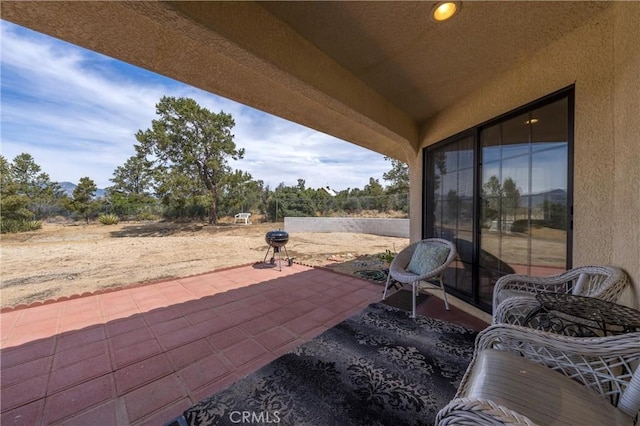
474 132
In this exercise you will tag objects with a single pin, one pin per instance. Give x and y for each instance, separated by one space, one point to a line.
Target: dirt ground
63 259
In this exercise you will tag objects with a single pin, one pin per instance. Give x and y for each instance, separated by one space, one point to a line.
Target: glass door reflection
524 202
502 193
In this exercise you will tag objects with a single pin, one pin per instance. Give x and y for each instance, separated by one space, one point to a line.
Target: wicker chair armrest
605 282
397 268
480 412
525 283
513 338
514 310
556 283
402 259
508 335
533 284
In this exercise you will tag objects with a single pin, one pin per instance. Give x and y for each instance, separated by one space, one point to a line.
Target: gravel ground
62 259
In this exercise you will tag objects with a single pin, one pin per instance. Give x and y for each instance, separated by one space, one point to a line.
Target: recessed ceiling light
532 121
444 10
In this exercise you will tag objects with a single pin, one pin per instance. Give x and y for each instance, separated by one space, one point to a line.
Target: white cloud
77 112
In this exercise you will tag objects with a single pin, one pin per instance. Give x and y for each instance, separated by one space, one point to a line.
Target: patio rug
378 367
401 299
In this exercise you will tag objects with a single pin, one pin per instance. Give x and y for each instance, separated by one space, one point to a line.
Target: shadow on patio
143 355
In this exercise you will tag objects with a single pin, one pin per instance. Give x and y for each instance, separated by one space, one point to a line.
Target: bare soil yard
61 260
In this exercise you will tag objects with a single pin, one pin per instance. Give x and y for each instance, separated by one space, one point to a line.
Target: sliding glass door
524 191
502 193
451 205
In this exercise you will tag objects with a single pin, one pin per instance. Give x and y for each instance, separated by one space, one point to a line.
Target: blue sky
76 112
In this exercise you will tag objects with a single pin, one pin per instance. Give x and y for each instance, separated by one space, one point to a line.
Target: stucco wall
626 124
601 58
375 226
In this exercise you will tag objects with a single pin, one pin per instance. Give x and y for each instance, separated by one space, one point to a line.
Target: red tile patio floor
142 355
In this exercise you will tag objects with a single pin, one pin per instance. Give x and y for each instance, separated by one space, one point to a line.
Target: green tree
492 200
190 142
240 193
498 199
5 173
26 193
131 189
398 177
34 184
350 200
375 195
492 187
511 197
265 196
324 202
133 178
440 169
373 188
291 201
13 205
253 196
82 202
28 176
179 191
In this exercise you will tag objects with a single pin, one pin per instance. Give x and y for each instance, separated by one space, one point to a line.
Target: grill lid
277 238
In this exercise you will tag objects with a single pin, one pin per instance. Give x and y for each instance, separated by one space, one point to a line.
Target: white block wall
376 226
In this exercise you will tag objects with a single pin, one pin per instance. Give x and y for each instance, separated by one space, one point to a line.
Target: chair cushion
533 390
427 257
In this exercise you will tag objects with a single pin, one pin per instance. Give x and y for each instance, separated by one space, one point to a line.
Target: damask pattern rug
378 367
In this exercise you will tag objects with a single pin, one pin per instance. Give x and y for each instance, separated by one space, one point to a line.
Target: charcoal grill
277 240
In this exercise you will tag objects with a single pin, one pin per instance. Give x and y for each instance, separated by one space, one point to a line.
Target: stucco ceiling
422 66
367 72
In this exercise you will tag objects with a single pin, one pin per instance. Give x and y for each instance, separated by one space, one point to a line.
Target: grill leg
279 251
286 252
267 254
279 258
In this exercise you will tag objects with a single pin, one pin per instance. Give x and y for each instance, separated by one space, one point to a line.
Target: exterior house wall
626 124
601 59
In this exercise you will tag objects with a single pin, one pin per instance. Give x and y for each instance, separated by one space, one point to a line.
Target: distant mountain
555 196
68 188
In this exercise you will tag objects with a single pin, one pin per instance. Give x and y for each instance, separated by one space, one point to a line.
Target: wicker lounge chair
514 295
521 376
400 270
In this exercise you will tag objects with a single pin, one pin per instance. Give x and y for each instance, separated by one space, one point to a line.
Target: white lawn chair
242 217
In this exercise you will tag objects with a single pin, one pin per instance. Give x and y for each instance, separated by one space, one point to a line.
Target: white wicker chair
514 295
522 376
399 273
